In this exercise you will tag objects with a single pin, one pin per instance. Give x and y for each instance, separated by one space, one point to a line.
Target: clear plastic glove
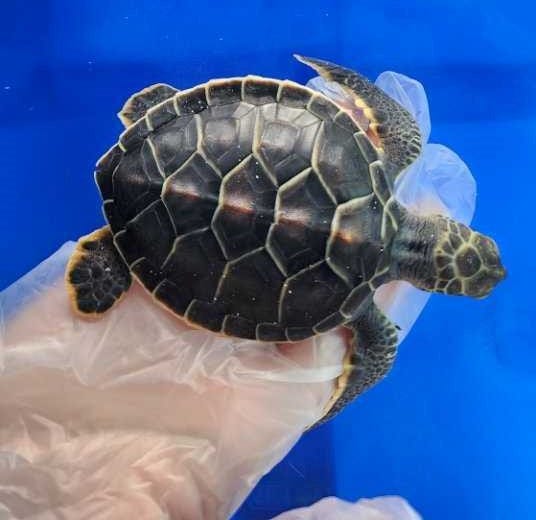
382 508
136 414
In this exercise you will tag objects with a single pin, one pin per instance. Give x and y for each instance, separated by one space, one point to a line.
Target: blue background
453 427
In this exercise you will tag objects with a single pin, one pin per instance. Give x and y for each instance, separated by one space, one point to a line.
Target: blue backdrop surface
452 427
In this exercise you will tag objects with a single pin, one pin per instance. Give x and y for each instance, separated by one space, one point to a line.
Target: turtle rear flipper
137 105
96 275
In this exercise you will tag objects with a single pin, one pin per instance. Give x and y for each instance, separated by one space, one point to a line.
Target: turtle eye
416 246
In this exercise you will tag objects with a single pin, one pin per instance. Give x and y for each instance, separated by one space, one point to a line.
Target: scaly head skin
438 254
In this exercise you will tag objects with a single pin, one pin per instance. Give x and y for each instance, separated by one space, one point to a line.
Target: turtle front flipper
138 104
370 355
96 275
391 127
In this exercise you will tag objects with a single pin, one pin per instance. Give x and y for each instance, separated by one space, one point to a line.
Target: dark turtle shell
250 206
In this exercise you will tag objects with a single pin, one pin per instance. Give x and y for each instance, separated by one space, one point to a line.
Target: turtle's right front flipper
371 353
96 275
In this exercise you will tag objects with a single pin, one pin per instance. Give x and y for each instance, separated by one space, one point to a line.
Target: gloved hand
136 414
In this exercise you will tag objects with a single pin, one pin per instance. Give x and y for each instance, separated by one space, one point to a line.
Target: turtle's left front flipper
391 127
96 275
370 356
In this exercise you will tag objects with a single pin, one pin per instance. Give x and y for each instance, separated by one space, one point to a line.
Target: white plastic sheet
137 415
332 508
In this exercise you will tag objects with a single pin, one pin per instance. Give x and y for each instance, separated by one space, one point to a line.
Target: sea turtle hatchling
261 209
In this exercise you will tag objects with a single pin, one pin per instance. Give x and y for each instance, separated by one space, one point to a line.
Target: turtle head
438 254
